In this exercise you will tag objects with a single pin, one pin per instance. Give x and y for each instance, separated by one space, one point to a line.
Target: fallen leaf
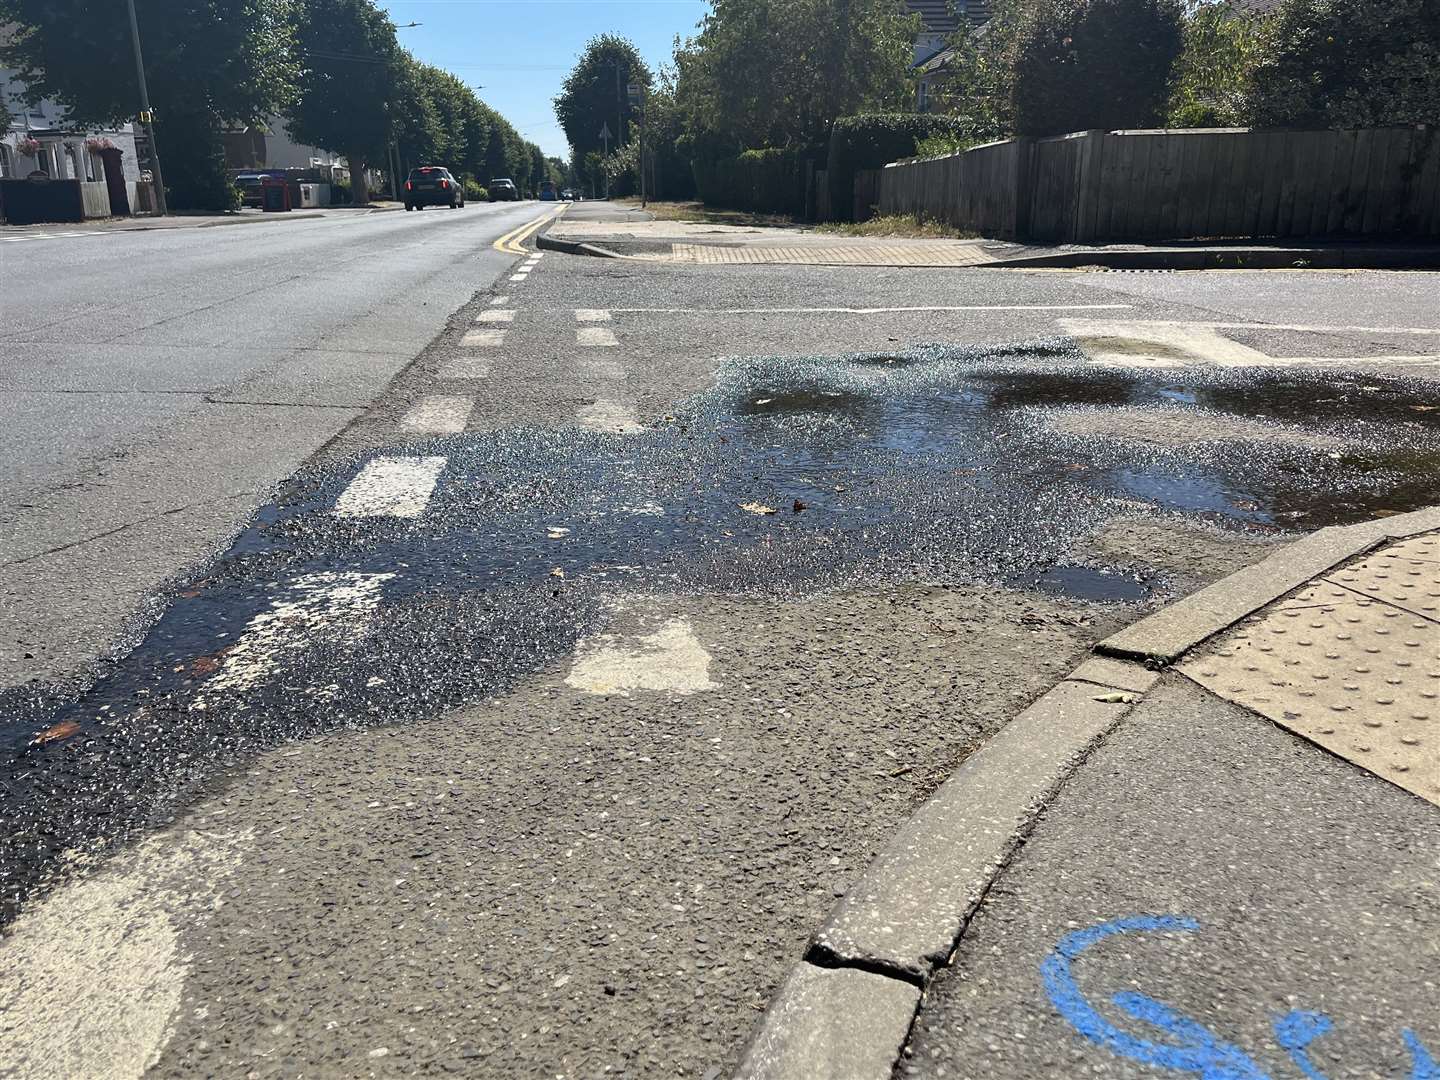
557 572
555 532
203 665
1425 408
1116 698
799 506
757 508
62 730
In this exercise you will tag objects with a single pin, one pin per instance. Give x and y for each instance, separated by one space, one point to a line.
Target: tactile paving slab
1406 574
1355 674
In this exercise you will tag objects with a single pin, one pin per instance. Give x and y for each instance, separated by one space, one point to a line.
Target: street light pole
147 119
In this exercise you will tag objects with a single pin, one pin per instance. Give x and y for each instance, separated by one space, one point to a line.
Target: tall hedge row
873 141
769 181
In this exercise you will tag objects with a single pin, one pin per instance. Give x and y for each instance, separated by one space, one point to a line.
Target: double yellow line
513 242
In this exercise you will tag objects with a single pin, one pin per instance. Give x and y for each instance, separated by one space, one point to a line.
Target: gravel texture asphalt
512 821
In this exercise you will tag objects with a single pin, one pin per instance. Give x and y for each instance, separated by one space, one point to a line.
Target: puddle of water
935 467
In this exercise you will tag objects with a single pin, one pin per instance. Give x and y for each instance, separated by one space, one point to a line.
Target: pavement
10 234
536 721
616 230
1261 901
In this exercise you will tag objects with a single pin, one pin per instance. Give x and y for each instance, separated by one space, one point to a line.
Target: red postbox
274 194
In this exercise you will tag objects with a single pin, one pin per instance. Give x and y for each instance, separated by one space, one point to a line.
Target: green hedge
769 181
875 140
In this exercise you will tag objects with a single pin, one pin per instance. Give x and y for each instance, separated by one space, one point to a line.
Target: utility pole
147 119
605 139
636 92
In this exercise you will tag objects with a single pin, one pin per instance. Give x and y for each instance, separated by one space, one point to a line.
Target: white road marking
94 972
483 339
592 315
439 414
1330 329
873 310
1162 344
602 369
496 315
669 660
331 604
466 367
609 416
499 301
517 277
391 487
596 336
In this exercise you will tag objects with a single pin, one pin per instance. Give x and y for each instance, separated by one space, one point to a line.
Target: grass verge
897 225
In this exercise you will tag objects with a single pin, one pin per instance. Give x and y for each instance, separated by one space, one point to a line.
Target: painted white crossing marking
391 487
609 416
499 301
1164 344
496 315
517 277
439 414
598 336
313 606
671 659
592 315
483 339
465 367
601 369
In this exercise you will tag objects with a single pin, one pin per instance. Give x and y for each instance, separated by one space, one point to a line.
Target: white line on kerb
592 315
496 315
439 414
483 339
871 310
391 487
465 367
599 336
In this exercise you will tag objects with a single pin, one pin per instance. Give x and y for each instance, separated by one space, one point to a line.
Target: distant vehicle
547 191
502 189
251 185
568 195
433 186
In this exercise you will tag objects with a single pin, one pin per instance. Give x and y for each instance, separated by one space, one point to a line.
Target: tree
781 72
211 66
594 95
1082 64
1348 63
352 77
1212 75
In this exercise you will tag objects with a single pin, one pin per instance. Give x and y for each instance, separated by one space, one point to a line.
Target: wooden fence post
1024 185
1087 187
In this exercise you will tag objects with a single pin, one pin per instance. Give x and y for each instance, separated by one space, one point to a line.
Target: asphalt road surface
577 661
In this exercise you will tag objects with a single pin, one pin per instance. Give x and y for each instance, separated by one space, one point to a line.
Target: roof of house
937 15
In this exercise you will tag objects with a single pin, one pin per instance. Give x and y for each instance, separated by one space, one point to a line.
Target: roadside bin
274 194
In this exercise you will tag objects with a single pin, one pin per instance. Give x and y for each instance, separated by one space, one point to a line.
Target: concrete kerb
846 1009
546 242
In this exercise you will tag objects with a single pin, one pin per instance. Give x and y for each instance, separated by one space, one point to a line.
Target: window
72 167
7 166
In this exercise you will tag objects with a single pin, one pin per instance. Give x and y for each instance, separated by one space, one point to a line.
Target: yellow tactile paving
1350 670
959 253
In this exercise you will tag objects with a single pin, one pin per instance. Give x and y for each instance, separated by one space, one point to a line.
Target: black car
502 189
433 186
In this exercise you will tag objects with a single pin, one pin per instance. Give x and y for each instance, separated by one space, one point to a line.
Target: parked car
251 185
431 185
502 189
568 195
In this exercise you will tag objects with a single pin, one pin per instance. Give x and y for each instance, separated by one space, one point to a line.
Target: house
939 21
38 140
269 146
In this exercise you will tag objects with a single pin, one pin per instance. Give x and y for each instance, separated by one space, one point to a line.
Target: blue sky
521 50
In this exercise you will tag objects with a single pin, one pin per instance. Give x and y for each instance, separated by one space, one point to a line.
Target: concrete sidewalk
616 232
1219 863
249 215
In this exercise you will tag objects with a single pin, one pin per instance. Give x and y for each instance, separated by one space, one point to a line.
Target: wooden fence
1173 185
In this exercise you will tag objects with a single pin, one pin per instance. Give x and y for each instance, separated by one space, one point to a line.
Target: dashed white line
517 277
483 339
601 369
597 336
499 301
671 659
439 414
466 367
391 487
496 315
313 605
592 315
608 416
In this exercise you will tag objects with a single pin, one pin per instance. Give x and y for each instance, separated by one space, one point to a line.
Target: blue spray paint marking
1194 1048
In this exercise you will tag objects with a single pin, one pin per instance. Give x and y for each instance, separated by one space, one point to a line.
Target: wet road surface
652 688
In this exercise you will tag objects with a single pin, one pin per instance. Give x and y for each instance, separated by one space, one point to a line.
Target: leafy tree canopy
594 96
